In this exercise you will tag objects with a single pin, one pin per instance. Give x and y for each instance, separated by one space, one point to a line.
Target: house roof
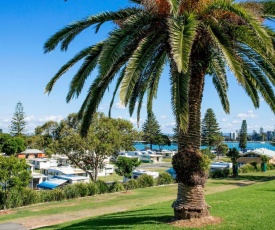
31 151
51 184
262 151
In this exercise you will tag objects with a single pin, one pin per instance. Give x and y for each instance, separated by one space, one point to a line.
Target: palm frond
67 34
268 9
120 39
223 44
136 64
180 91
83 72
174 6
220 81
182 35
83 53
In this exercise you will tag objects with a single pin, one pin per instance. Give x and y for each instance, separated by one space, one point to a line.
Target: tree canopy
243 136
14 145
14 174
18 123
211 135
193 39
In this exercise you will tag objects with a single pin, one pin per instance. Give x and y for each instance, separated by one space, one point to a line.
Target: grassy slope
246 208
147 208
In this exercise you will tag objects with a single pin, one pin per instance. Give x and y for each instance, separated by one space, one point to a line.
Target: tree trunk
191 176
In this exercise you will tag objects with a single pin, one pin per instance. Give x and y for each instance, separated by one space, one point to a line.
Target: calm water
250 145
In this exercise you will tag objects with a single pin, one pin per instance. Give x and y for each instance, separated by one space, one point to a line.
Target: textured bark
190 202
191 176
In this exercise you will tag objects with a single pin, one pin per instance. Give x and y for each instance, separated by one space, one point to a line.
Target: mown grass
151 207
246 208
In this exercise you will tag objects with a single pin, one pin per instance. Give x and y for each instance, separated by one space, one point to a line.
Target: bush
71 191
30 196
82 189
270 166
130 184
92 189
14 199
145 181
248 168
116 187
164 178
58 194
220 173
46 196
102 187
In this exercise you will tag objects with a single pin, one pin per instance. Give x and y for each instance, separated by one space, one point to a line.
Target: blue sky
25 70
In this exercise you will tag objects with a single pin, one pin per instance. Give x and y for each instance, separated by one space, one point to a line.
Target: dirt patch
6 212
196 222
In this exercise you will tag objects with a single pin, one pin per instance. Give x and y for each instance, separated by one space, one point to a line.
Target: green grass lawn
249 207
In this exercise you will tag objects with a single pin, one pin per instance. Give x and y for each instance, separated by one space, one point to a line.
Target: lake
249 146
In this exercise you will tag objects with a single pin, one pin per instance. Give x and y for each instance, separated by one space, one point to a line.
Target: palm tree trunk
191 176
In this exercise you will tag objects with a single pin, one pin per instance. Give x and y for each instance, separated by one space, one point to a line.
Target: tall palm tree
194 38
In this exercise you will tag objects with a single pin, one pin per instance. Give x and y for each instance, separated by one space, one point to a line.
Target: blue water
249 146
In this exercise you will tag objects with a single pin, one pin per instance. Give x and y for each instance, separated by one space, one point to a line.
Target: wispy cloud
248 114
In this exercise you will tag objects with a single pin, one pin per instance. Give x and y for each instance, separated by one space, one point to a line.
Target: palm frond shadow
121 220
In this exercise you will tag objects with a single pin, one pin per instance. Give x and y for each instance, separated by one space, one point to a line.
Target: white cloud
236 122
249 114
119 105
163 117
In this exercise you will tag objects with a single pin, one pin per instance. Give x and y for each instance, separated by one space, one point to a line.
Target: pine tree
243 136
151 130
18 123
211 135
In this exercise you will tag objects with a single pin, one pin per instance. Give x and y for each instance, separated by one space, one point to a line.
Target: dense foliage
18 123
243 136
211 135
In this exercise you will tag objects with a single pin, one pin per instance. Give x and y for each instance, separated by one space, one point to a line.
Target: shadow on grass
242 177
122 220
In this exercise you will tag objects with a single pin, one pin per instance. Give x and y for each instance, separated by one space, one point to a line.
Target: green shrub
71 191
46 195
130 184
14 199
58 194
254 164
102 187
220 173
164 178
145 181
82 189
92 189
248 168
270 166
30 196
116 187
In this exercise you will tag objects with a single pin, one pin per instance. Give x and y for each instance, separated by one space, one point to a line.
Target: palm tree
194 38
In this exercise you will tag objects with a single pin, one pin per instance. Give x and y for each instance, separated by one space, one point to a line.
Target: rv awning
51 184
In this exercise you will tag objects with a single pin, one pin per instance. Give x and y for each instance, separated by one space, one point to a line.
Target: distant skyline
25 70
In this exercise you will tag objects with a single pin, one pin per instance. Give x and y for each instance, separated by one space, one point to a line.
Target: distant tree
125 166
106 136
211 135
18 123
14 174
234 154
162 140
243 136
3 138
151 130
208 153
14 145
222 149
262 134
